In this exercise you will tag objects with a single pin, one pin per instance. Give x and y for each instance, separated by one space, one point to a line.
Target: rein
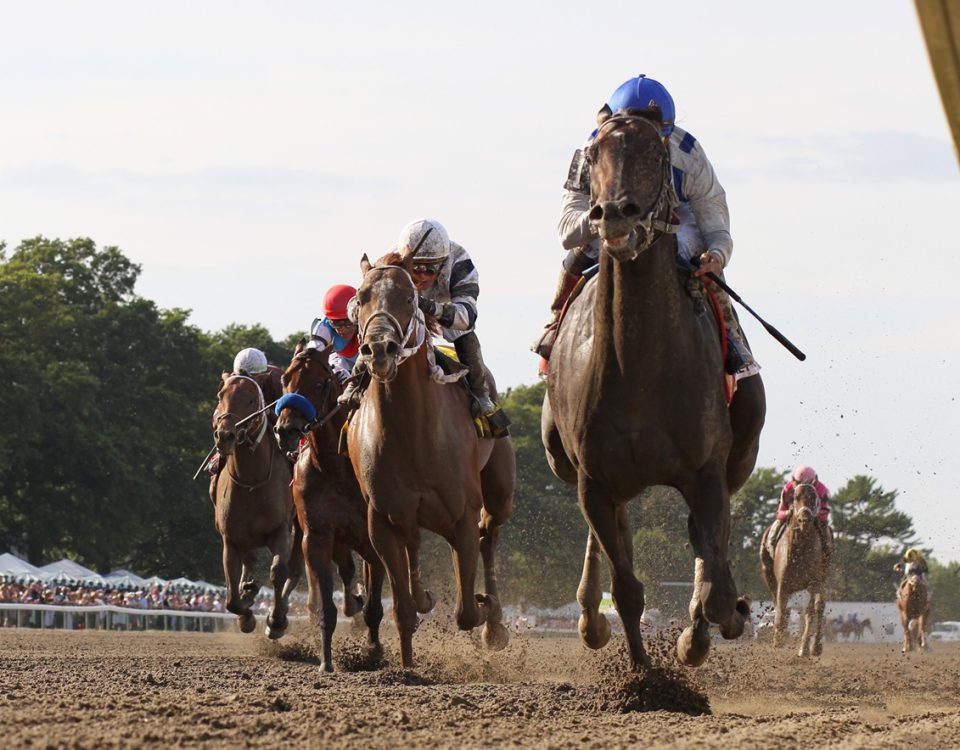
243 436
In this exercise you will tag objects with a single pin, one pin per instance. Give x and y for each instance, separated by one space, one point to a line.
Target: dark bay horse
913 604
253 506
330 508
798 564
635 396
420 463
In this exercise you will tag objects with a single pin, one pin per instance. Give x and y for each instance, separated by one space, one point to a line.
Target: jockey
913 563
701 206
335 328
448 284
804 475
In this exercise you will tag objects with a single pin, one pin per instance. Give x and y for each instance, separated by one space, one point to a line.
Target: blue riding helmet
642 92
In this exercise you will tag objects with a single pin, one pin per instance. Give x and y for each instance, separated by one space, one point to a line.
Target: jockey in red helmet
336 329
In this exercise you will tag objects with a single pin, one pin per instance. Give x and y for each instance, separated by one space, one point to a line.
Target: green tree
870 534
945 584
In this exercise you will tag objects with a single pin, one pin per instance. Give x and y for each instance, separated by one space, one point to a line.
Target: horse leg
781 616
318 551
819 606
497 482
347 568
295 564
471 609
249 586
905 625
602 516
424 599
373 575
747 414
807 624
594 628
232 569
388 547
281 547
922 631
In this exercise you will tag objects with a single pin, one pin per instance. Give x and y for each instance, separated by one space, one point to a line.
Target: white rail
108 617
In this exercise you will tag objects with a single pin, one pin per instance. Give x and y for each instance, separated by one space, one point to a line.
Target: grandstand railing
109 617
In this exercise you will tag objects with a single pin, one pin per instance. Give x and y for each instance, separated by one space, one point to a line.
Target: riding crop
770 329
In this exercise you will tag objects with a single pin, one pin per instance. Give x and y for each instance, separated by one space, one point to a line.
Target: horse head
806 505
629 181
311 377
238 400
388 316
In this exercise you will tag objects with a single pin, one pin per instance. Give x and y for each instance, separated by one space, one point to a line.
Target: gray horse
635 396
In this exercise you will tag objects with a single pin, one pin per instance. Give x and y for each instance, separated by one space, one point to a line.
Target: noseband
650 223
416 327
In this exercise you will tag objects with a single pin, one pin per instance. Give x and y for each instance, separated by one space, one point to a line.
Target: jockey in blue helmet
699 200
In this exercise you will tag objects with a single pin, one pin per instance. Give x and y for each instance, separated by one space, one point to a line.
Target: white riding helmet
428 238
250 361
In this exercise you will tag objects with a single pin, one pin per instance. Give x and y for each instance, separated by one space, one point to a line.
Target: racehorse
253 504
420 463
330 508
798 564
853 629
913 603
635 396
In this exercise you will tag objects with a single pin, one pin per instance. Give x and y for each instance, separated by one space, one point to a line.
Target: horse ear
365 264
603 115
300 344
225 376
406 260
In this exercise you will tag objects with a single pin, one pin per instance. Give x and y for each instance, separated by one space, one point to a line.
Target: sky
247 155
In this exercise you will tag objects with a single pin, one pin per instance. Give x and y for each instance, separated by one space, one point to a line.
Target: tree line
106 400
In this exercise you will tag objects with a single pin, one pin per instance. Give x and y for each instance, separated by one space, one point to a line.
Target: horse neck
640 304
252 463
325 442
404 403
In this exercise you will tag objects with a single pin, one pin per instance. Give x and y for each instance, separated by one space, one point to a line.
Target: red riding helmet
335 301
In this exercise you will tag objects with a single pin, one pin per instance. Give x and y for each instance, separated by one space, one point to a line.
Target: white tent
10 564
126 575
60 571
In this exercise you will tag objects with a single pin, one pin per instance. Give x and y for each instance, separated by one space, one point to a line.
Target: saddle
447 360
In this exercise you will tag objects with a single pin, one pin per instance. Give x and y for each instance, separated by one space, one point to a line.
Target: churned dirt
119 690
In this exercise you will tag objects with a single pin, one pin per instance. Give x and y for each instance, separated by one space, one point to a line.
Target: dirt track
95 689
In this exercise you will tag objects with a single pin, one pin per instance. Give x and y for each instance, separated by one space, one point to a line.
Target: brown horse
635 396
798 564
330 507
420 463
913 603
252 502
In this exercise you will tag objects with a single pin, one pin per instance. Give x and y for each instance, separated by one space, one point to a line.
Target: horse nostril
596 213
392 348
629 210
365 350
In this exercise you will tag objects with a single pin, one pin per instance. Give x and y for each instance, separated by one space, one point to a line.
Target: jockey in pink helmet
803 475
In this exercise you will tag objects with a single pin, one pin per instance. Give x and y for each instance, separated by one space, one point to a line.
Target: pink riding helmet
804 475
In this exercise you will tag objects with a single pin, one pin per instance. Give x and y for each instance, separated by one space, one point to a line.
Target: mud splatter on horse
635 396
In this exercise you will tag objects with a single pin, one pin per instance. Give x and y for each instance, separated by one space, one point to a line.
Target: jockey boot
468 351
565 285
826 538
776 531
356 385
740 361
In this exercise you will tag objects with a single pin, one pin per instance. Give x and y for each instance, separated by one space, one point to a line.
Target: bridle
812 512
651 223
243 434
417 326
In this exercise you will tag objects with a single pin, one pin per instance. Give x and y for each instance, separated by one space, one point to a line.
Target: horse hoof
326 667
274 633
693 646
495 636
427 604
375 651
352 603
248 623
594 632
